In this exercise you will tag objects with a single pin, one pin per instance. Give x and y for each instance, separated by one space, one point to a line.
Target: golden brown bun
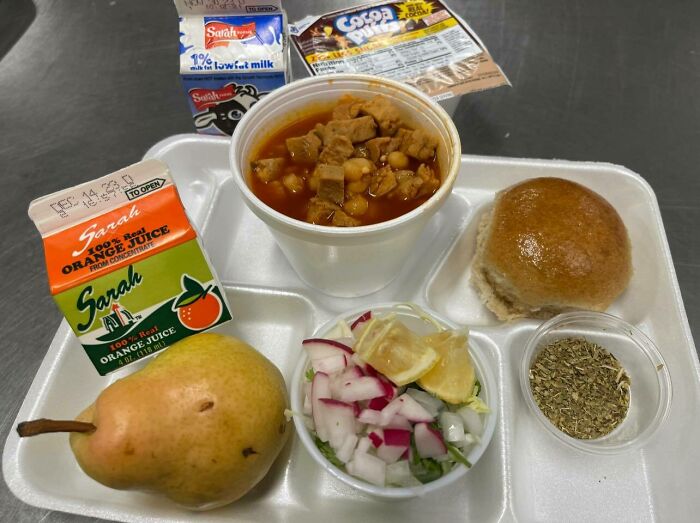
550 245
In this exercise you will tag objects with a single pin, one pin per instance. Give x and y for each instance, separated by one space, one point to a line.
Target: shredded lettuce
476 404
425 470
457 455
310 374
328 453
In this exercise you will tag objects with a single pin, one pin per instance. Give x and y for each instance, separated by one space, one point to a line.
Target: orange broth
295 205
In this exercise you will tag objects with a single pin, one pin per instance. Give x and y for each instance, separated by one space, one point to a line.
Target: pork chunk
431 181
320 211
304 149
336 151
347 110
420 145
341 219
385 113
407 185
383 181
323 212
356 129
376 147
268 169
331 183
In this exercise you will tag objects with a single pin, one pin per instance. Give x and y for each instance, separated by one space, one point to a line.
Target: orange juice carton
126 266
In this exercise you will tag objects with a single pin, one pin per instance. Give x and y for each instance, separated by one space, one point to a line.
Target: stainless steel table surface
87 86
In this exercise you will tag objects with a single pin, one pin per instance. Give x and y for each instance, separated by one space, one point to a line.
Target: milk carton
231 54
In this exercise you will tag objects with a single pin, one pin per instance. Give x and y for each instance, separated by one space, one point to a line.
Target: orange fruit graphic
197 308
201 313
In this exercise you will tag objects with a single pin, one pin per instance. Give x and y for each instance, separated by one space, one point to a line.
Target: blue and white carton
232 53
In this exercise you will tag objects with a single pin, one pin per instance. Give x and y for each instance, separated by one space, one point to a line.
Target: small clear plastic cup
650 382
484 373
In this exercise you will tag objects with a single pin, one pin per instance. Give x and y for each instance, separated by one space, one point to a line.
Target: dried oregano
580 387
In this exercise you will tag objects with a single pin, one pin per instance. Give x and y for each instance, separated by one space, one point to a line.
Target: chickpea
293 183
358 187
356 206
355 168
277 189
398 160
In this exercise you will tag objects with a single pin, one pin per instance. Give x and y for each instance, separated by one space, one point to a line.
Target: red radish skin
397 437
361 319
389 390
377 403
323 341
375 438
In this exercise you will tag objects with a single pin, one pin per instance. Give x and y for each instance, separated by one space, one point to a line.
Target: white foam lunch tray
525 475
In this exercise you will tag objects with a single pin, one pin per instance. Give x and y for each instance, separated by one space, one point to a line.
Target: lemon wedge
395 351
452 379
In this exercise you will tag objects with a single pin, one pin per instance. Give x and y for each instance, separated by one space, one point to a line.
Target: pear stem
43 426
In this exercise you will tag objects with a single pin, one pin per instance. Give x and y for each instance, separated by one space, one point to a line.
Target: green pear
202 423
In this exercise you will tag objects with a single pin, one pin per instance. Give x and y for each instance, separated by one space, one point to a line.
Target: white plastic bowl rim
484 374
646 346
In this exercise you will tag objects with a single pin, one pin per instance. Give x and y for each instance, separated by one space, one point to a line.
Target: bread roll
548 246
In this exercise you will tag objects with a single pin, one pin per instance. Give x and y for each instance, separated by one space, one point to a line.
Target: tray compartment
552 482
450 292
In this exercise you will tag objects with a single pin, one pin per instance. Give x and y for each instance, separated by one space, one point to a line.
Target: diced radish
390 411
389 454
368 467
363 445
331 364
320 388
356 408
397 437
397 421
430 403
399 474
406 453
346 450
375 438
389 388
429 442
472 420
412 410
350 373
377 403
369 416
452 426
339 419
318 348
357 389
360 320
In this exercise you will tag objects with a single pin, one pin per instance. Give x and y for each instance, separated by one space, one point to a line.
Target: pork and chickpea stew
357 164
